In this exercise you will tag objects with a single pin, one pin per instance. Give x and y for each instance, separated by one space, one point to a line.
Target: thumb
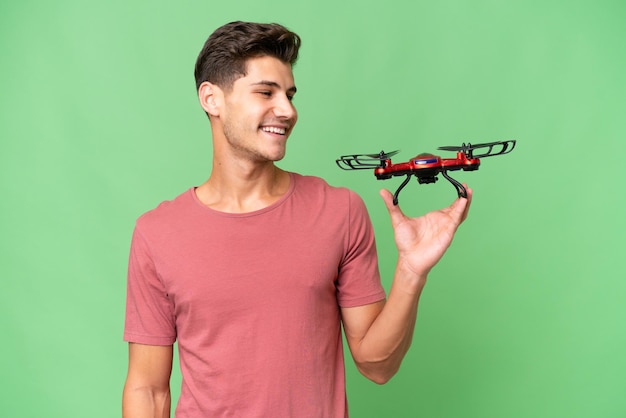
394 210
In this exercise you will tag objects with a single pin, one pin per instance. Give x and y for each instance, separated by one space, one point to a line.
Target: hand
423 241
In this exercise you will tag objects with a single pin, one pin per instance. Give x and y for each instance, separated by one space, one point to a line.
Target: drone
426 166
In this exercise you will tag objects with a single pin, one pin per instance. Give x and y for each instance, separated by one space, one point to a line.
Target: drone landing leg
404 183
459 187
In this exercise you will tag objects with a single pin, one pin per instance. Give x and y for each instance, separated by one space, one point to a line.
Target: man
255 271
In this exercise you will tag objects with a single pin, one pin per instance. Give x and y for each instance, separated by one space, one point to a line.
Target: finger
394 210
470 193
458 209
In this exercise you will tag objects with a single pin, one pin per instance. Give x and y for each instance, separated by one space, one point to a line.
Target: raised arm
147 388
380 334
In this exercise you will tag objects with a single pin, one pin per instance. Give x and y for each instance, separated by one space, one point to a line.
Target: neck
241 188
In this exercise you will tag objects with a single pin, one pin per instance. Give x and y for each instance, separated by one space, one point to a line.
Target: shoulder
316 193
313 184
167 212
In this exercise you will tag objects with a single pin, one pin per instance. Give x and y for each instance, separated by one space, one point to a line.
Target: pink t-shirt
254 299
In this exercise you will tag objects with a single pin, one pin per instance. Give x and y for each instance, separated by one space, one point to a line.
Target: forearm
145 402
383 347
379 348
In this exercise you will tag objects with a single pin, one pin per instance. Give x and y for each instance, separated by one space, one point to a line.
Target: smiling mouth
274 130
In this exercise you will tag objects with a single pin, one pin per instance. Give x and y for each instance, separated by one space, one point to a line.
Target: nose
284 108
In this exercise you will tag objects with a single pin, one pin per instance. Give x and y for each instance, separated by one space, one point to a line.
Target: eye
266 93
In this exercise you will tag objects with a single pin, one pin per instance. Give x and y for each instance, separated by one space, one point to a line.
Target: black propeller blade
382 155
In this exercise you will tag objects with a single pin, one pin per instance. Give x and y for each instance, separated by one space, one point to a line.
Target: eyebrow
274 84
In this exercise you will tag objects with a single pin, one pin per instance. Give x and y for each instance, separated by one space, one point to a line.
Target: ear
210 96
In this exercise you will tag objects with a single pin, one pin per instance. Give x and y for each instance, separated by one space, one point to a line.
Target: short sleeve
359 277
149 311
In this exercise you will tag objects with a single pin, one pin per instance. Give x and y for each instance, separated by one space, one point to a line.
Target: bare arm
380 334
147 388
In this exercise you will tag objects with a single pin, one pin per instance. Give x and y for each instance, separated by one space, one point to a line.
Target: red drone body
424 163
425 166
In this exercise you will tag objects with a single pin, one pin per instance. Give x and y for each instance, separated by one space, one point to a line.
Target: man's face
258 115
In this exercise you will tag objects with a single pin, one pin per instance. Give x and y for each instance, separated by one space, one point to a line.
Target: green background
524 317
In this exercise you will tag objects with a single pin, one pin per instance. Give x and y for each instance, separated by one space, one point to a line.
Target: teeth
274 129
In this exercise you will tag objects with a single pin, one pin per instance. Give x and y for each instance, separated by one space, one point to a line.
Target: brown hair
222 59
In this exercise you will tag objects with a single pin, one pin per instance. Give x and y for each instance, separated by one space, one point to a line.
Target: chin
277 155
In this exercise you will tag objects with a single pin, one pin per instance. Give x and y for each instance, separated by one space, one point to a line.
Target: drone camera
427 180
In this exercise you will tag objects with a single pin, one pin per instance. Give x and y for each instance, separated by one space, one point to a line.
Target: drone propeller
494 148
364 161
382 155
